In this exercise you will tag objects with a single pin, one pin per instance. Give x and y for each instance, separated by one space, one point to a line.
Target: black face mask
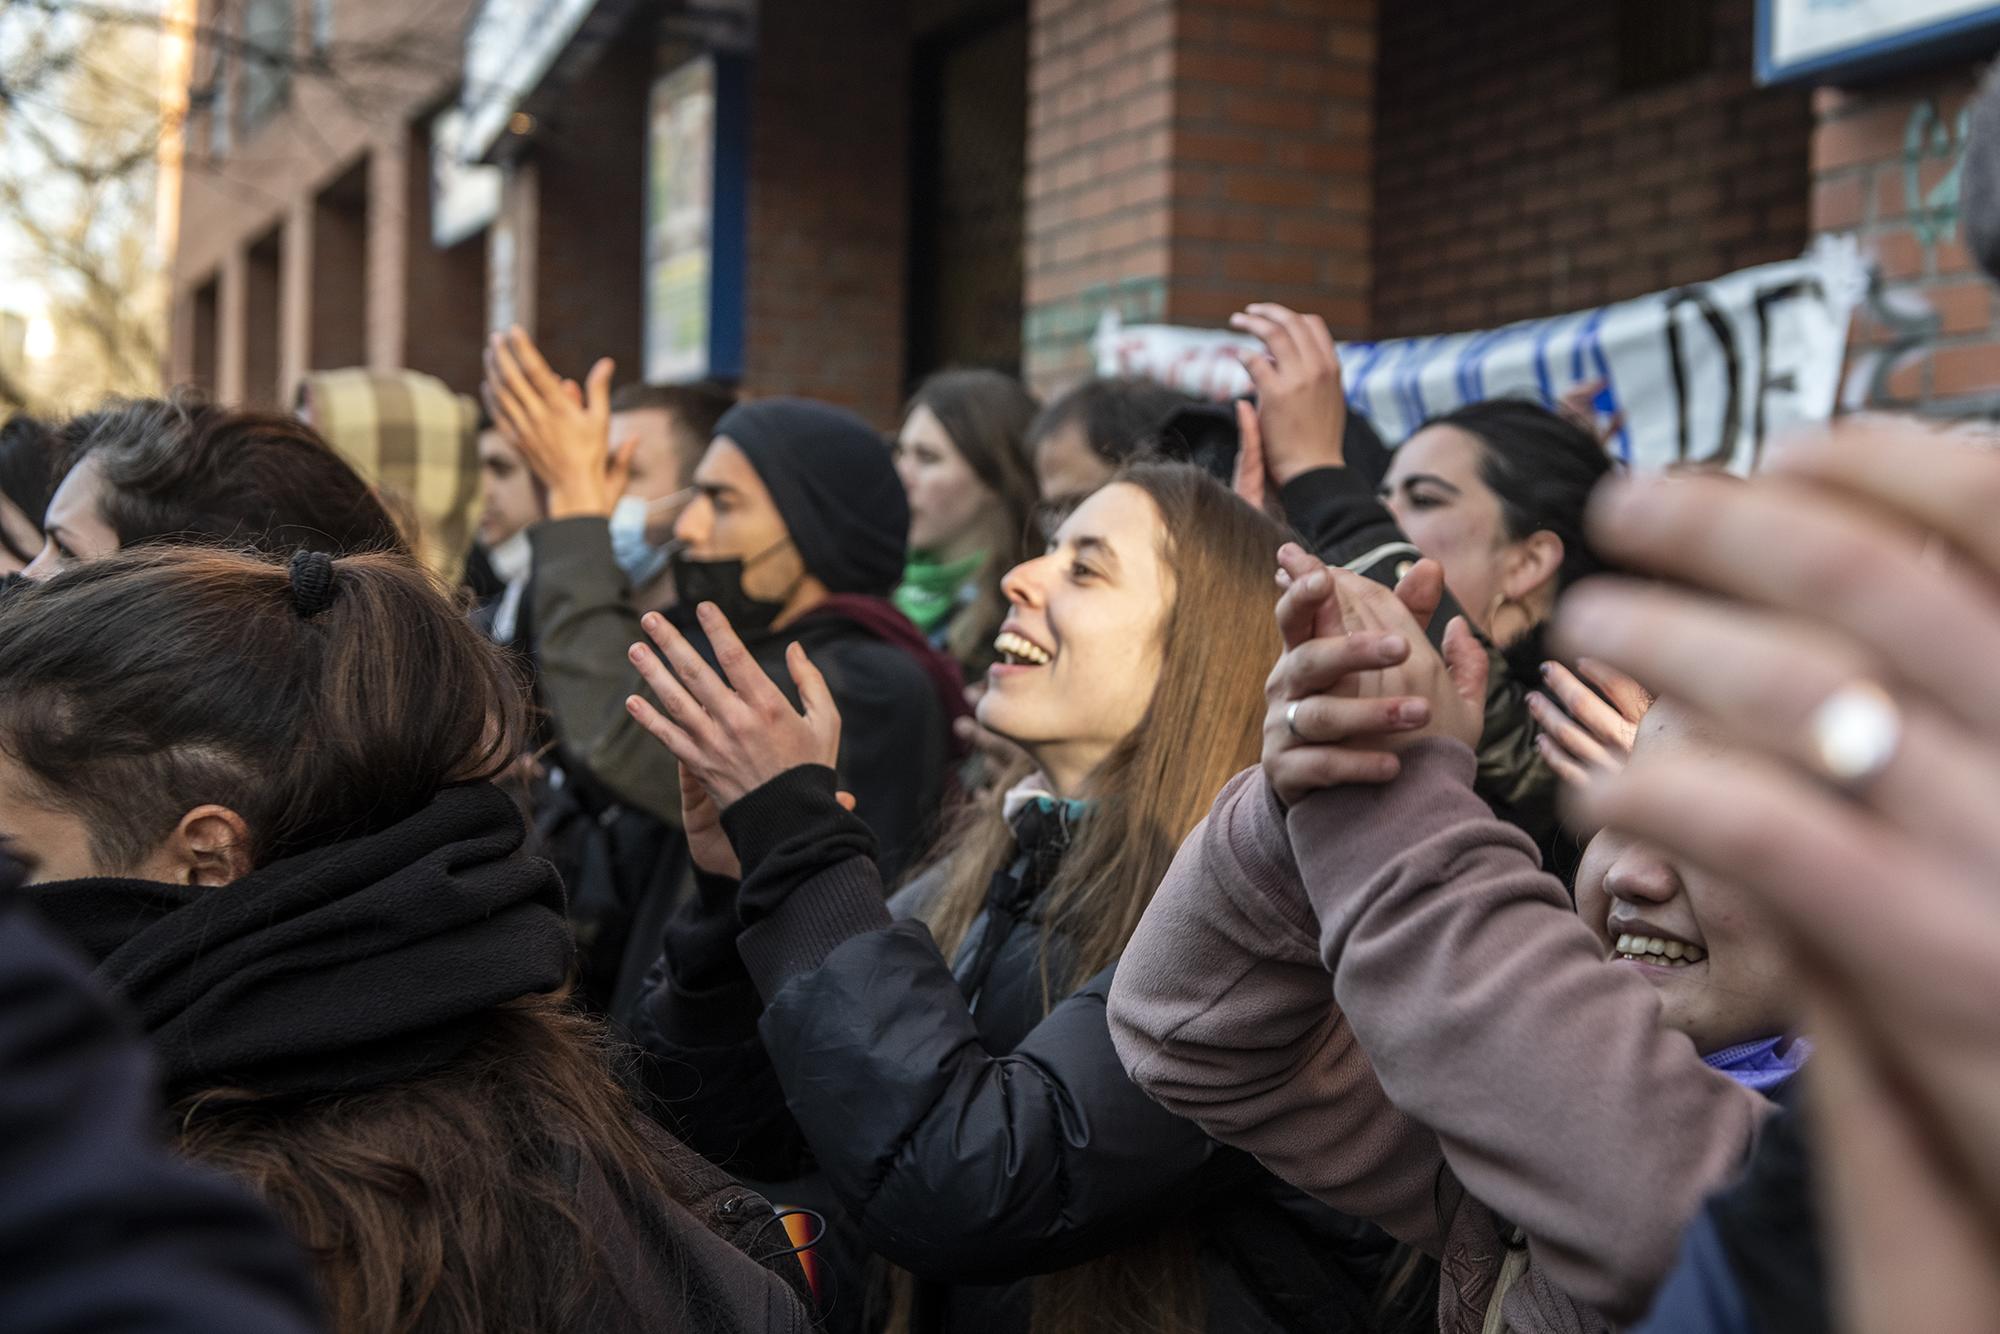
721 582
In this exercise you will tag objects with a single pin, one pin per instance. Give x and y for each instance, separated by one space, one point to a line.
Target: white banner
1707 372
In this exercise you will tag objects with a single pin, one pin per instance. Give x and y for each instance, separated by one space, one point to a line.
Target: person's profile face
75 529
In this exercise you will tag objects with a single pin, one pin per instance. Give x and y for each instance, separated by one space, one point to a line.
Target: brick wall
1883 165
1100 177
588 256
824 310
1272 141
1185 156
1515 179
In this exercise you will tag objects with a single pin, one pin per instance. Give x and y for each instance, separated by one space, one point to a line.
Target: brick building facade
931 181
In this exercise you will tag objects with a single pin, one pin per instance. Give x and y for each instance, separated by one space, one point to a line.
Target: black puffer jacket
970 1136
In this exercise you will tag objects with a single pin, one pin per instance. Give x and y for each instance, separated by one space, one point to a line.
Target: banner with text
1704 373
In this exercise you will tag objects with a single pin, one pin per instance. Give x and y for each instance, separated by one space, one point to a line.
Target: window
267 60
220 105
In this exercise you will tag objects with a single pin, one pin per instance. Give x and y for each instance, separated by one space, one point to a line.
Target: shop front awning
520 53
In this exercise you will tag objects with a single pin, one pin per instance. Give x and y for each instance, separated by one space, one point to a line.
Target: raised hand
734 732
1358 681
1301 407
563 433
1851 668
1586 733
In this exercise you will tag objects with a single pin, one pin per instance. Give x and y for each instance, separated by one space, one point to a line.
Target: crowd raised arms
629 858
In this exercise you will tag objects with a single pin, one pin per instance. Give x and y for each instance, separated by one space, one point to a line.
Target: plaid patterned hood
417 443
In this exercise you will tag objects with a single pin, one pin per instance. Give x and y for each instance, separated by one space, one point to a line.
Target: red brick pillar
1883 163
1185 156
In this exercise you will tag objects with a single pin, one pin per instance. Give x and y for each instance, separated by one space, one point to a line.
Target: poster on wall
694 222
1834 41
680 223
1706 373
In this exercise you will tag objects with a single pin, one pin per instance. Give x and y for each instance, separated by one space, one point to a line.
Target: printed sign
1703 373
1829 40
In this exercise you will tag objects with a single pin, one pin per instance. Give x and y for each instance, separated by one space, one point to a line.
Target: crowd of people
657 859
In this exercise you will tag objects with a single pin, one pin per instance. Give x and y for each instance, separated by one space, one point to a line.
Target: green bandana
930 591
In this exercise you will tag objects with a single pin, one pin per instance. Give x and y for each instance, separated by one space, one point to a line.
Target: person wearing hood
415 441
259 800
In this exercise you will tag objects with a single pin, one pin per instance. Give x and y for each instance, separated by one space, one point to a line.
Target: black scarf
343 968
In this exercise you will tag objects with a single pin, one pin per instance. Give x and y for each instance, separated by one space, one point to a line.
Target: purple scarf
1762 1065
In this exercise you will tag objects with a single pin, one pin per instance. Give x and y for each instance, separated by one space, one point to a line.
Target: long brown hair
452 1204
1218 641
987 415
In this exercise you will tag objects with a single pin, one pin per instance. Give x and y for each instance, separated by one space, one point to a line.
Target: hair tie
312 583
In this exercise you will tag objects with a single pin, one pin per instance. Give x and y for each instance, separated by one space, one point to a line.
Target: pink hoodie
1475 1066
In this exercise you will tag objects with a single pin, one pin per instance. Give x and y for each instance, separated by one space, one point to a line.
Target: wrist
580 502
1286 471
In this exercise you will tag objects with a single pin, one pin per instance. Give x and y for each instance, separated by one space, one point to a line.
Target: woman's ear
209 847
1535 562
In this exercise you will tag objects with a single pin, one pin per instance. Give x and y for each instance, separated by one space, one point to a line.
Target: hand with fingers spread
1853 668
1358 681
564 433
1301 405
734 731
1587 733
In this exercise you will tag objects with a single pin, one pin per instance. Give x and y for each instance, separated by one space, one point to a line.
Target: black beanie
834 482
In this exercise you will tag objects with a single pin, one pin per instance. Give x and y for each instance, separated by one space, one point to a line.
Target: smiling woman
1004 1161
1467 996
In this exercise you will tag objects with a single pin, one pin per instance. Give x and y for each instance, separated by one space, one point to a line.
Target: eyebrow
1097 546
715 490
1432 478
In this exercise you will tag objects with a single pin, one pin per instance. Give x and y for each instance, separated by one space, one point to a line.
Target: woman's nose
1023 583
1642 875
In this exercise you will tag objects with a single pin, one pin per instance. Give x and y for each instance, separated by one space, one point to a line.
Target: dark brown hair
471 1200
182 469
987 415
693 410
27 471
139 686
1120 417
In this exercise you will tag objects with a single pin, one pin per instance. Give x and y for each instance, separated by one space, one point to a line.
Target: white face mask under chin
512 559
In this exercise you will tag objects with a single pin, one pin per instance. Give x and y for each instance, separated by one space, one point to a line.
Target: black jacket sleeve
895 743
706 1068
960 1165
100 1228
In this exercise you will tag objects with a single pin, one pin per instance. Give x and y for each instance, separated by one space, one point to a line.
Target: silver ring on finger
1854 734
1292 721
